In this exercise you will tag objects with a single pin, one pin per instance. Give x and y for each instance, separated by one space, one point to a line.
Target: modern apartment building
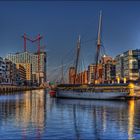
38 67
2 70
72 73
28 69
85 77
39 72
103 61
82 77
120 66
28 72
128 65
108 69
91 73
22 73
11 74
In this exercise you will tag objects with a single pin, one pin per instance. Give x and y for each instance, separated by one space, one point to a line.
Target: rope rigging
87 54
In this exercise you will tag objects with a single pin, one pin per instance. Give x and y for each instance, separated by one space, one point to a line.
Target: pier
12 88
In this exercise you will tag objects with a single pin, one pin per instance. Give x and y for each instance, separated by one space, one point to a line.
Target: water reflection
106 119
33 114
26 110
131 114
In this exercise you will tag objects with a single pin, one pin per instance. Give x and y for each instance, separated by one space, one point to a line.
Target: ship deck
103 88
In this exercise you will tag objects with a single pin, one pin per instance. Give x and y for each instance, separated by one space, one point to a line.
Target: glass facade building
32 58
128 65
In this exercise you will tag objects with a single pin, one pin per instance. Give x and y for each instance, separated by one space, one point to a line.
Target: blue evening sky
61 22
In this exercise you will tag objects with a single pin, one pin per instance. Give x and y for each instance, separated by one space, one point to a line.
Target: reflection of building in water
103 118
23 109
7 109
32 109
131 114
38 112
27 110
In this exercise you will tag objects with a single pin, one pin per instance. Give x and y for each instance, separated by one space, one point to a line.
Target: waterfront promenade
13 88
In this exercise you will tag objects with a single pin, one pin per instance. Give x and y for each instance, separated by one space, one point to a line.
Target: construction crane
42 48
25 39
38 39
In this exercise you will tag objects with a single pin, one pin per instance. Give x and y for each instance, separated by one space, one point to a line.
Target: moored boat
100 91
52 93
92 91
91 95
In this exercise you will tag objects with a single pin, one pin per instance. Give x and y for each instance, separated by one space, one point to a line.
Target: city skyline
69 69
61 22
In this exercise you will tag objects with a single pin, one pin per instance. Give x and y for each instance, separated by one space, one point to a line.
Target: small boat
52 93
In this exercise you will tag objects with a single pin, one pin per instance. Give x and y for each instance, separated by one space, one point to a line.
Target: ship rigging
94 90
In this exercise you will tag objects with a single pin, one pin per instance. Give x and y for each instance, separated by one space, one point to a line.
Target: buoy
52 93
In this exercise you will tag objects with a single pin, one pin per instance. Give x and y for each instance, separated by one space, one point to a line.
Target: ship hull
91 95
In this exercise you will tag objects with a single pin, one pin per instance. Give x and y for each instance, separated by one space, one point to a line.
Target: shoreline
12 88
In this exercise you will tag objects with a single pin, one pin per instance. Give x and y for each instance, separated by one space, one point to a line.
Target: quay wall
11 88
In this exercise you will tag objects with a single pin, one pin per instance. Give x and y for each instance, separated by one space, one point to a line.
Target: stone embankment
11 88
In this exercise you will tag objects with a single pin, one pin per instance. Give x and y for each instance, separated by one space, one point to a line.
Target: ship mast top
98 46
99 30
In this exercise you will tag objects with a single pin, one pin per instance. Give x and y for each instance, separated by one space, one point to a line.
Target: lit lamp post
124 80
118 80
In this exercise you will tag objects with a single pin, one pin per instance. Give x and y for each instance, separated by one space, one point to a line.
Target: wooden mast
77 59
98 47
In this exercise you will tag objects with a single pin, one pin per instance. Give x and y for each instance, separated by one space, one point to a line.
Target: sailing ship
92 91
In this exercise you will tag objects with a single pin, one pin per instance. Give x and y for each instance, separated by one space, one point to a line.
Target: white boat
90 95
100 91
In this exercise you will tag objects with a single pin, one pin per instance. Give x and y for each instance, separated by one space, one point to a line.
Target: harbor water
34 115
